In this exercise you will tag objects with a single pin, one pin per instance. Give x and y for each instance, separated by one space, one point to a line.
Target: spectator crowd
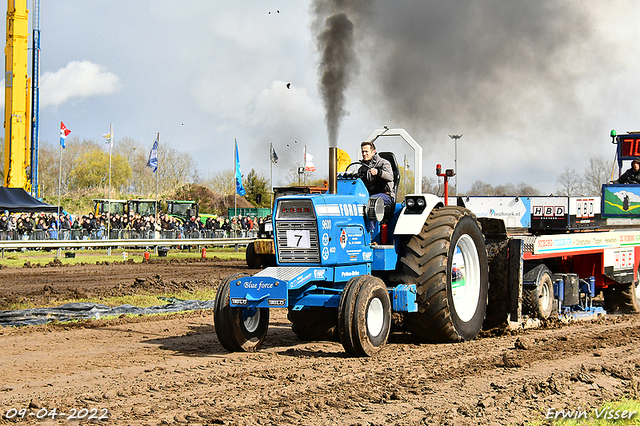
14 226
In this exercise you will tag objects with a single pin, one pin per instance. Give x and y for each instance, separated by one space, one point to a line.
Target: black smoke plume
336 24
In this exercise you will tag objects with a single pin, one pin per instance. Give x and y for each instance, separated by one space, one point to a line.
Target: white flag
308 163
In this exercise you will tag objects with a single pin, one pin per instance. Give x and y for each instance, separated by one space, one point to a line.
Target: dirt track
171 370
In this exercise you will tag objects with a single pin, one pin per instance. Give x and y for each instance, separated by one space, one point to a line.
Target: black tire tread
345 313
224 329
424 263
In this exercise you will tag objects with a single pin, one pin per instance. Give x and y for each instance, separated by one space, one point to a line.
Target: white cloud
78 80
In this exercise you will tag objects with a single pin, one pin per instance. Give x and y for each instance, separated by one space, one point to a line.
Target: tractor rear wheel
447 261
315 324
238 329
364 316
538 298
622 297
631 298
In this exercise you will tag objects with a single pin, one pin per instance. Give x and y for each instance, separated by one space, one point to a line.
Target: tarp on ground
17 200
85 310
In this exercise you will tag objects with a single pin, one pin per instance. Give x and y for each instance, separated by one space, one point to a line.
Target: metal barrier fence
121 234
79 239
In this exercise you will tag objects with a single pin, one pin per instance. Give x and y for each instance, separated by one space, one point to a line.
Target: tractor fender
410 221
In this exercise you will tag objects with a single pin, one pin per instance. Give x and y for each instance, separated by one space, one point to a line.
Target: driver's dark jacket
630 176
380 183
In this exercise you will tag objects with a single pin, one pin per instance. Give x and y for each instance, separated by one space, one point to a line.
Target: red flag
63 133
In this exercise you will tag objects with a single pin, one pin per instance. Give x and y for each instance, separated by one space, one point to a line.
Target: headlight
415 204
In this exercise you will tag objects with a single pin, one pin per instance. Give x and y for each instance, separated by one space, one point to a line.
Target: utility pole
455 158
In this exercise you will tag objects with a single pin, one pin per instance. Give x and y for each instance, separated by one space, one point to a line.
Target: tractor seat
391 158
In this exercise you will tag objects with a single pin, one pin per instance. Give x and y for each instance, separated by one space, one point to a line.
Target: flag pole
59 190
235 189
109 201
271 173
156 172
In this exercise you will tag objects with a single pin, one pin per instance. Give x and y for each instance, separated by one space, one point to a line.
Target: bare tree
222 182
480 188
570 183
598 173
527 190
430 185
295 179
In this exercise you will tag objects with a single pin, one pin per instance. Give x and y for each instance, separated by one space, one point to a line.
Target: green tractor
182 210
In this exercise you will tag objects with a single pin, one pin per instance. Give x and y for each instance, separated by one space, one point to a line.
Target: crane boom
17 123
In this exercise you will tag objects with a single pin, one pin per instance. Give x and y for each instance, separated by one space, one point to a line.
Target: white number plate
298 238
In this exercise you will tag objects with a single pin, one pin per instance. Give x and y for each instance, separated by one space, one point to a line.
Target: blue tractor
345 265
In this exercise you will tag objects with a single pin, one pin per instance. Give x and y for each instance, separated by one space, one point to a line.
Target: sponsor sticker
325 253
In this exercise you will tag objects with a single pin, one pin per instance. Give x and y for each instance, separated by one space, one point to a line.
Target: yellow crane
17 122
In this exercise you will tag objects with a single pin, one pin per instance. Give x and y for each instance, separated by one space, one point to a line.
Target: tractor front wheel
364 316
238 329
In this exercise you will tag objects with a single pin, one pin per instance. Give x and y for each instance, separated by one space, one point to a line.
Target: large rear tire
631 298
238 329
447 261
364 316
623 298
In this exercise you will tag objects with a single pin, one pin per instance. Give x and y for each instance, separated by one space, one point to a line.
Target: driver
376 173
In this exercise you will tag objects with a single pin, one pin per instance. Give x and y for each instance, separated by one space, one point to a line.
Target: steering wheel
347 169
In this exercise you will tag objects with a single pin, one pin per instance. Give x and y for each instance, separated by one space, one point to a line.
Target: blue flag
239 188
153 156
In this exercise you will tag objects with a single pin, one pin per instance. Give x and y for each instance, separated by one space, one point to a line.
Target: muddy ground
171 370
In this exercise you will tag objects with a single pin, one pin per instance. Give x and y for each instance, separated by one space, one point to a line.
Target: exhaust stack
333 170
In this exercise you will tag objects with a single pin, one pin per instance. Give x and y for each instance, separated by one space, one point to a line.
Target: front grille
287 253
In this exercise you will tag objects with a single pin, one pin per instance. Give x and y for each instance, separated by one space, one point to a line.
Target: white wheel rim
251 323
544 295
375 317
465 278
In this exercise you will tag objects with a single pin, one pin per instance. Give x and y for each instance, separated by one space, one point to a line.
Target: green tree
258 189
91 170
405 186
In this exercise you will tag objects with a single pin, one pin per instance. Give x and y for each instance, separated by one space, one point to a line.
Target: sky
532 87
